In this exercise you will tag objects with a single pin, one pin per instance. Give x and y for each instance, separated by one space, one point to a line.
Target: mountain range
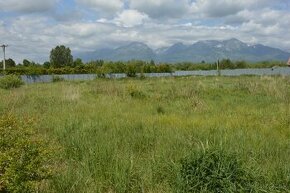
207 50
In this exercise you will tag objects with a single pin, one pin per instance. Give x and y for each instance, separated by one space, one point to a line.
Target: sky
32 28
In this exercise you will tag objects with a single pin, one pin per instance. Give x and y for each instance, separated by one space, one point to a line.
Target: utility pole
218 67
4 48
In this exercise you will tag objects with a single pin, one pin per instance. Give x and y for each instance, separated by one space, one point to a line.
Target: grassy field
131 135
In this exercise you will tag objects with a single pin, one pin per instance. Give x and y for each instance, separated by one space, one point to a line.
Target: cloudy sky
32 28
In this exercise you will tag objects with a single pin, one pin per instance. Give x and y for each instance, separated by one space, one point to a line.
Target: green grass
10 82
132 135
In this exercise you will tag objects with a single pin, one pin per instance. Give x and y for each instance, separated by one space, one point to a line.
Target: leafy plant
25 156
57 79
10 81
134 92
131 70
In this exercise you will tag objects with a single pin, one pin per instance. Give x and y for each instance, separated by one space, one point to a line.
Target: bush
134 92
10 81
101 73
131 70
57 79
214 171
24 156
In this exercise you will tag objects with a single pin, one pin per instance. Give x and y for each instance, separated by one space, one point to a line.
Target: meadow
159 134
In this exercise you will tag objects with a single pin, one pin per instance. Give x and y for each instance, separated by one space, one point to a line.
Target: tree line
62 62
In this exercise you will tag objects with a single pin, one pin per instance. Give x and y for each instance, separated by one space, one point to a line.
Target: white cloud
216 8
33 37
27 5
161 8
130 18
68 15
109 6
264 21
221 8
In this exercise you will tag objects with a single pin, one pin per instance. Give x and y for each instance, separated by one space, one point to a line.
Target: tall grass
10 82
132 135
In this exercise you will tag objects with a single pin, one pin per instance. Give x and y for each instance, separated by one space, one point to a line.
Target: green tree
131 70
163 68
26 62
227 64
46 64
78 62
61 56
241 64
8 63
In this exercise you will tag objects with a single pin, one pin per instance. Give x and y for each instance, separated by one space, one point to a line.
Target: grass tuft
214 170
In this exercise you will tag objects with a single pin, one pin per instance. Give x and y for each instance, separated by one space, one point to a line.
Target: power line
4 48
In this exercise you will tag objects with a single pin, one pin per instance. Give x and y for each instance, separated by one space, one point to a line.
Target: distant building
288 63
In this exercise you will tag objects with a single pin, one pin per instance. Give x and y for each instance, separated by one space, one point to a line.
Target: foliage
240 64
46 64
57 79
26 62
214 170
78 62
24 156
61 56
225 64
131 70
164 68
10 81
134 92
8 63
187 66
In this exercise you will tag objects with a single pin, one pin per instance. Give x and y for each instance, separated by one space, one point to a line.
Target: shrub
214 171
142 75
24 156
131 70
57 79
100 73
10 81
134 92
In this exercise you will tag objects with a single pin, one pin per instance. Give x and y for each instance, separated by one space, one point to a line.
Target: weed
215 171
160 110
10 81
134 92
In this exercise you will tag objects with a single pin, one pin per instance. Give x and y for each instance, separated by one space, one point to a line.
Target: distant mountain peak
215 42
178 44
137 44
234 40
205 50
